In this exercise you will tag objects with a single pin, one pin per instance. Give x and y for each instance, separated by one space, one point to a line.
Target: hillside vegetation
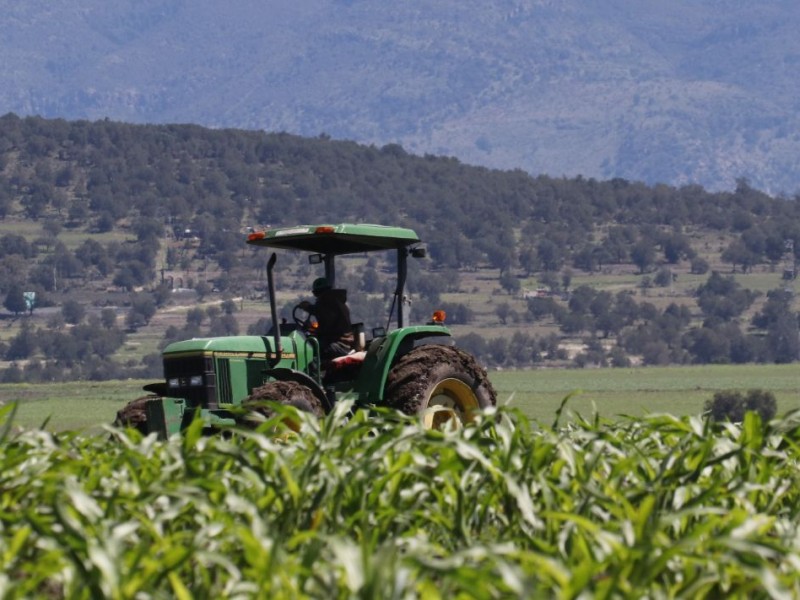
133 235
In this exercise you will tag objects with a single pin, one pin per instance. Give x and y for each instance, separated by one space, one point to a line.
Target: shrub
731 405
763 402
727 405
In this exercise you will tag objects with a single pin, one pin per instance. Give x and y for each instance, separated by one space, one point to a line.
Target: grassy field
641 391
537 393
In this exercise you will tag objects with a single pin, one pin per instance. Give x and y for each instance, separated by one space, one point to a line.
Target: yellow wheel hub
451 399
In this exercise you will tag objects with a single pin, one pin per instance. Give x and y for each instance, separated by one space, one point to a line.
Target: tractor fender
284 374
384 352
158 388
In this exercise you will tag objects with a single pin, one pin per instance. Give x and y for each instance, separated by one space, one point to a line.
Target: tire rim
451 400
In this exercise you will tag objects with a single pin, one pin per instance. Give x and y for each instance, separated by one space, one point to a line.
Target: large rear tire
289 393
134 414
440 383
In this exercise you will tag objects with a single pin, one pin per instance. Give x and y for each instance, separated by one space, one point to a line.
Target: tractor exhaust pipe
276 326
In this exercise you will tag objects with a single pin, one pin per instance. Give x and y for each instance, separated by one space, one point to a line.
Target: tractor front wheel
134 414
289 393
440 383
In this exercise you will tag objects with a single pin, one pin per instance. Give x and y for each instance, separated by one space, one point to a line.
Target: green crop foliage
372 505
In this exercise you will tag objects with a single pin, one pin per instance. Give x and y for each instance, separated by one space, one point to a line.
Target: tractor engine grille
192 378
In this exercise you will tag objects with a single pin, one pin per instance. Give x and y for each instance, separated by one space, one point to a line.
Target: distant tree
626 307
566 279
108 318
656 352
497 350
15 301
104 222
572 323
643 255
13 271
78 212
23 345
458 312
779 303
699 266
539 308
66 264
550 280
202 289
370 281
723 297
44 275
676 248
195 316
610 322
663 277
510 282
143 306
132 274
549 255
13 374
229 306
73 311
712 345
783 338
619 358
52 227
36 200
617 244
13 243
473 343
503 310
774 248
225 324
737 253
259 327
581 298
585 258
527 259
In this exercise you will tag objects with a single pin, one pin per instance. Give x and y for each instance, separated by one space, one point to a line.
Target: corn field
372 505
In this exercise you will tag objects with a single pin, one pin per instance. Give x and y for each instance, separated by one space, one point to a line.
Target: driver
334 331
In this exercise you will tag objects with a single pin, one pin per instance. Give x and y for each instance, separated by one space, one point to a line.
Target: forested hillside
112 225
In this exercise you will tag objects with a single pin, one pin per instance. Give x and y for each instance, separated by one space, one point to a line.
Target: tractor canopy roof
344 238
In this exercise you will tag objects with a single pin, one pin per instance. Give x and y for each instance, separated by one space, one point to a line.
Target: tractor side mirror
419 252
315 259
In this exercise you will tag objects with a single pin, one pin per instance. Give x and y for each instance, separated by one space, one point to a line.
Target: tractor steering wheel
303 323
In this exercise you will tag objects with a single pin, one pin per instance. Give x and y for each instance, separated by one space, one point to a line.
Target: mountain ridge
680 94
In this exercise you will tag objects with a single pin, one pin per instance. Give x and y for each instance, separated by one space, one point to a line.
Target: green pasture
640 391
537 393
76 405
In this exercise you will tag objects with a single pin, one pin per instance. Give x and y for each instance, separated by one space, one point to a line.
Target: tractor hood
246 344
344 238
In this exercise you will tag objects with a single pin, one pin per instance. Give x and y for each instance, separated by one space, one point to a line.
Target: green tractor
227 380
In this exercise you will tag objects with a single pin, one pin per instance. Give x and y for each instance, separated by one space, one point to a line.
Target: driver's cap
320 285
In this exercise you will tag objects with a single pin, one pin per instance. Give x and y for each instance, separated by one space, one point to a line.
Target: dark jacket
333 316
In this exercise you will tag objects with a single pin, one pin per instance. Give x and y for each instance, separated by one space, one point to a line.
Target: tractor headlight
196 380
174 383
